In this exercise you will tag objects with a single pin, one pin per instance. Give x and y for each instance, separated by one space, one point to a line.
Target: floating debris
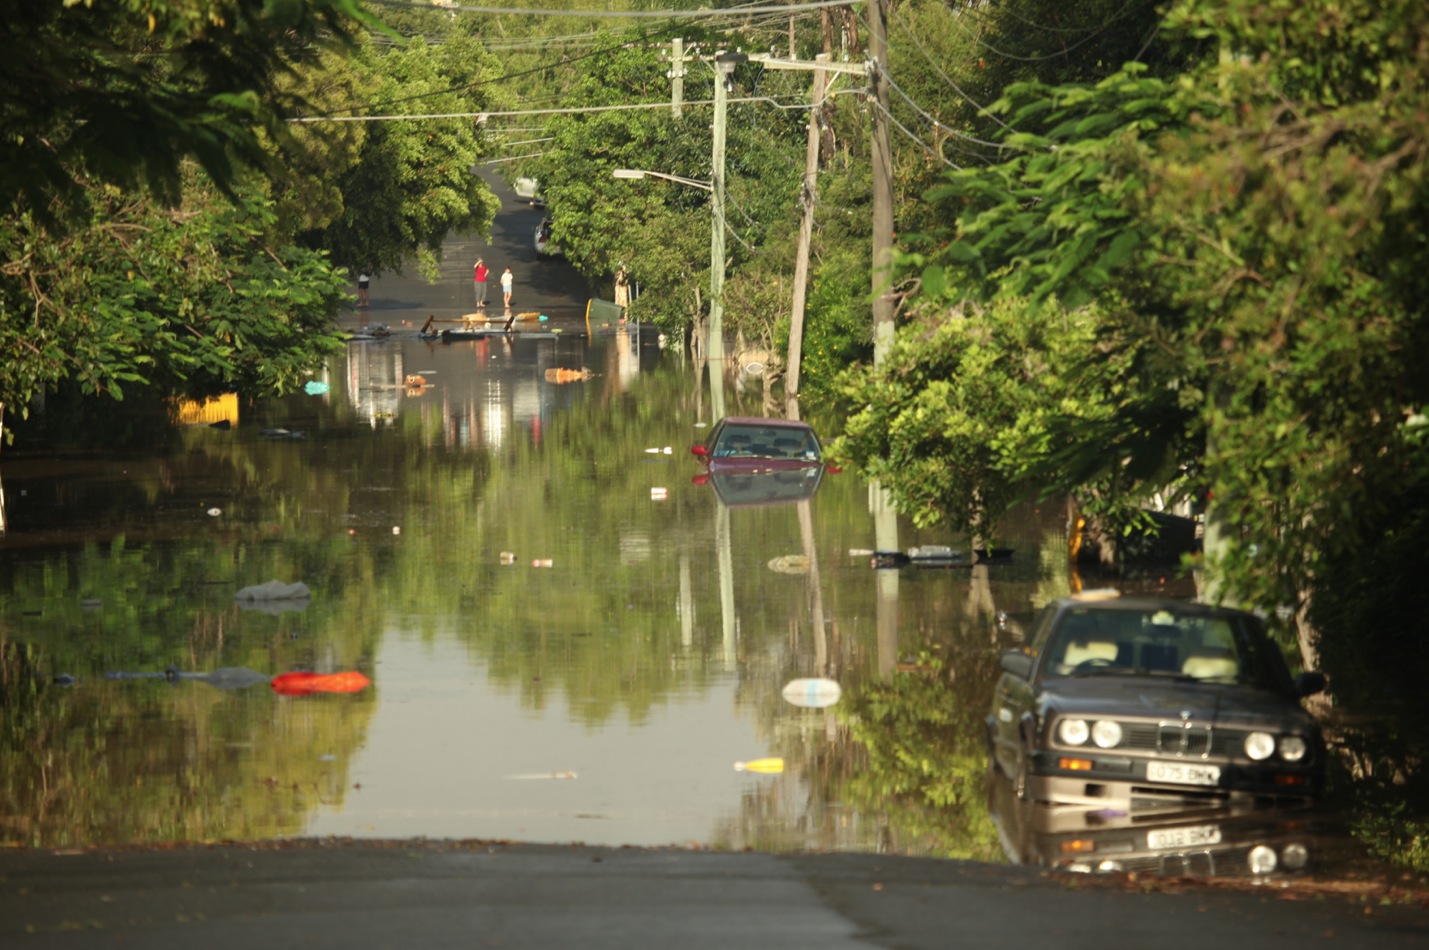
275 590
812 693
790 564
567 375
303 684
770 766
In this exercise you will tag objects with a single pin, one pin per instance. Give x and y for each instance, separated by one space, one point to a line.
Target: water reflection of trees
629 617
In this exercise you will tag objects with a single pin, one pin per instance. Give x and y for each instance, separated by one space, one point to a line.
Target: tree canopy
1248 239
170 225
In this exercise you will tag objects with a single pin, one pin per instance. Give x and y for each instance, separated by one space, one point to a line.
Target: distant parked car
754 444
529 190
544 245
1132 702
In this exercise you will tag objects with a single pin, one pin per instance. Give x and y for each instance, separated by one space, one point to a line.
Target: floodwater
565 636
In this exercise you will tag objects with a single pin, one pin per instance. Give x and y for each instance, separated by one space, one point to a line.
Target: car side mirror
1308 684
1017 663
698 451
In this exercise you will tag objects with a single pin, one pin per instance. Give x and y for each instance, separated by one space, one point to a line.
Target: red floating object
304 684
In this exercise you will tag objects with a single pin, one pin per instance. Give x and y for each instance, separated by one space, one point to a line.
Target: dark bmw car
754 444
1133 702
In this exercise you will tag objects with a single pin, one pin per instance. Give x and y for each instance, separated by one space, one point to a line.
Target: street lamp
714 345
638 173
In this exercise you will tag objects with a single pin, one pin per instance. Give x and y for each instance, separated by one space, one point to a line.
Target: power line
935 122
1095 32
982 110
930 150
704 13
574 110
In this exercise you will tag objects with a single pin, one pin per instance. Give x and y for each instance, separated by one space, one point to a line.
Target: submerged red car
754 444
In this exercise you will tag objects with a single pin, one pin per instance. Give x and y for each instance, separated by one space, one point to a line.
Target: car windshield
1160 642
770 442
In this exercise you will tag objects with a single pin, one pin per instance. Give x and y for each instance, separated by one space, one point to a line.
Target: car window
776 442
1041 628
1162 641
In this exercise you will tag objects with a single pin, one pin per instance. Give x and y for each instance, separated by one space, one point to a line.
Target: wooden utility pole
882 182
677 75
808 197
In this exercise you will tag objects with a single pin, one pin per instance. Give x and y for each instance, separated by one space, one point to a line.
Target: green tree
412 180
196 298
124 92
1253 235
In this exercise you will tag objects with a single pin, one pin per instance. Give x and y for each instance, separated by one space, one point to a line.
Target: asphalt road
546 284
429 895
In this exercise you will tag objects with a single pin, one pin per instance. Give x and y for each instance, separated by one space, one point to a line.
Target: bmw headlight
1073 731
1261 859
1106 734
1259 745
1295 856
1292 748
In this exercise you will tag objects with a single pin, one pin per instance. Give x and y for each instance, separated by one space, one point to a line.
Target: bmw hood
1142 697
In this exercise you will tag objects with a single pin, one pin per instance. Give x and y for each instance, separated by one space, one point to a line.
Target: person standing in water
479 275
506 280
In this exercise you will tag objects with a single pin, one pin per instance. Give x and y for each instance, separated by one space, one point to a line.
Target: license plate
1198 836
1179 773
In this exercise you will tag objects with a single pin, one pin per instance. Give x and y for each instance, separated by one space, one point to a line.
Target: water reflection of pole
726 582
816 593
885 533
687 603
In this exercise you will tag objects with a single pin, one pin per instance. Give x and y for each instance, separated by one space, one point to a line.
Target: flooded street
565 636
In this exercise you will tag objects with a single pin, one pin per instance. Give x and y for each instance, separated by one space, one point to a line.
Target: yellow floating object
790 564
767 766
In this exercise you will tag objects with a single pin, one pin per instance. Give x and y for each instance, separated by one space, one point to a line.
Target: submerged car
1133 702
753 444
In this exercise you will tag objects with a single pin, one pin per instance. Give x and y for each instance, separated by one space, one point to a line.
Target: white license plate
1198 836
1180 773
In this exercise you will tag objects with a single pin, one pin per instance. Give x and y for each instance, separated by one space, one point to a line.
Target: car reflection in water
752 489
1235 842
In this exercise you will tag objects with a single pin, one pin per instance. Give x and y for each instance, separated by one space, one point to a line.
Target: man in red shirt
479 279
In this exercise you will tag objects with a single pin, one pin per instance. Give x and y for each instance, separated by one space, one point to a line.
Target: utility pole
677 75
882 182
809 197
724 66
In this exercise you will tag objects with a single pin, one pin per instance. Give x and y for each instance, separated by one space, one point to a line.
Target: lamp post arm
636 173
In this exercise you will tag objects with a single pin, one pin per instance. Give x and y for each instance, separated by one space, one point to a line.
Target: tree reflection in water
414 522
